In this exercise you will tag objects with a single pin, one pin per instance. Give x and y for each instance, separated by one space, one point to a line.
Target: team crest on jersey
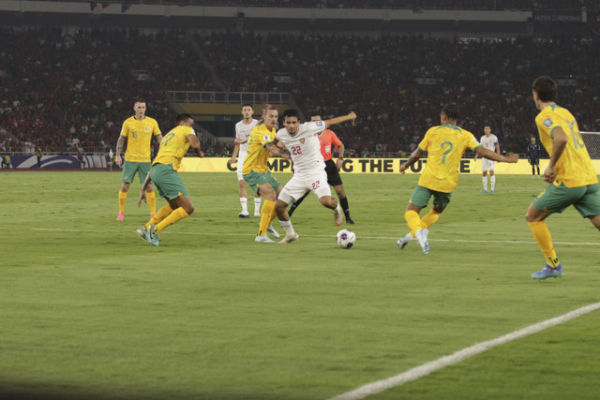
267 138
302 140
147 129
548 122
319 123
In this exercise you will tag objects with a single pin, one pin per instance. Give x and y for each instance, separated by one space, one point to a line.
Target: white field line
324 236
431 366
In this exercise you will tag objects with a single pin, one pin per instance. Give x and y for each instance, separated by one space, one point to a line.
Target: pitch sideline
442 362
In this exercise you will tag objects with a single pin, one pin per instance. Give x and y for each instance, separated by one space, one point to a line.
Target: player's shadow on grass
59 392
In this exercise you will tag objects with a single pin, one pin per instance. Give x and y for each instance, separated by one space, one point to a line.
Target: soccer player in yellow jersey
570 173
256 170
163 173
445 145
139 131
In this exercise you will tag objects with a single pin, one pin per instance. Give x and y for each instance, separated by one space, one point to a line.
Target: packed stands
75 89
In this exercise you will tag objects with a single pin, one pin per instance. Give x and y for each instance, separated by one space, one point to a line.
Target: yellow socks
266 216
151 197
122 201
430 219
413 220
544 240
162 214
175 216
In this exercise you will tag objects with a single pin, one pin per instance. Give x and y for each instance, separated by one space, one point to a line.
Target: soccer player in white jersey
490 142
242 132
302 141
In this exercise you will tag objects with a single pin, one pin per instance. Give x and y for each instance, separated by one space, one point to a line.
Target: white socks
257 206
244 203
493 182
484 182
287 227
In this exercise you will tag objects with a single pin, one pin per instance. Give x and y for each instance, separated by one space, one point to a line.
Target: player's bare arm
340 120
340 150
142 197
559 138
118 151
277 151
235 153
195 144
414 157
490 155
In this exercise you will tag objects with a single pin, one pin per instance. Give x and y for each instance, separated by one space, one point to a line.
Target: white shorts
487 165
240 165
298 185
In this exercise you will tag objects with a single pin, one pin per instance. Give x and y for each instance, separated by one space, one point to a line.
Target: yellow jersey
574 167
258 155
139 135
174 146
445 145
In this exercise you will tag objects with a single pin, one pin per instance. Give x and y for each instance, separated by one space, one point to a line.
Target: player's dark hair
182 117
291 112
546 88
247 105
139 100
451 111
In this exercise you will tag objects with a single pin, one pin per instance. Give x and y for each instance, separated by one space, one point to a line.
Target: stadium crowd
526 5
76 88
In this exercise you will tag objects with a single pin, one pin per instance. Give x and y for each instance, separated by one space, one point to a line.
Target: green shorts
421 195
167 181
254 179
586 199
130 168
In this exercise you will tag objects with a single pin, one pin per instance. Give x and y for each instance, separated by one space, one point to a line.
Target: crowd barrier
365 166
53 162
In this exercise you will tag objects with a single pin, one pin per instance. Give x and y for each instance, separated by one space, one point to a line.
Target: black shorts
333 175
534 161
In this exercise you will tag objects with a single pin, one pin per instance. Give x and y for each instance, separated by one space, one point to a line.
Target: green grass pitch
88 310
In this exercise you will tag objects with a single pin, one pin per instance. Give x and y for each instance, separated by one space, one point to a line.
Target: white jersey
242 131
489 142
305 147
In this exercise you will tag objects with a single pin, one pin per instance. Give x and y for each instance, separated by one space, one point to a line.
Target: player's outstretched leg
332 204
286 224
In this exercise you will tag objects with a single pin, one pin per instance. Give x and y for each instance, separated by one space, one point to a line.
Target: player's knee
149 189
124 187
189 208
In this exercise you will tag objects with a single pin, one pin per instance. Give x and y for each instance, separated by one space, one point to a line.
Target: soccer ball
345 238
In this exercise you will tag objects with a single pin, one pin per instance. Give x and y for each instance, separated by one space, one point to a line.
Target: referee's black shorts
333 175
534 161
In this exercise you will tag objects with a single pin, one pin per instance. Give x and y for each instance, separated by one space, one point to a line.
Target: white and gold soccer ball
345 238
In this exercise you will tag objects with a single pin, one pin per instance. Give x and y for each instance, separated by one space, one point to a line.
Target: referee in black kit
533 151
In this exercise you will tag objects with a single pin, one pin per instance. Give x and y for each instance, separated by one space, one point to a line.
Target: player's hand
352 116
232 160
549 174
142 197
403 167
339 163
512 158
239 141
118 160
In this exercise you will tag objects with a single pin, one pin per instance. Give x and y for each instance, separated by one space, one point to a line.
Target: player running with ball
302 141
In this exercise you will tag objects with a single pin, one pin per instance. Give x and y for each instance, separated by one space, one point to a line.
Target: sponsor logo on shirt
319 123
548 122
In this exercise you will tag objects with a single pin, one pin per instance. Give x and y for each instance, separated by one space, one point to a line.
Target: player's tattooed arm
119 150
414 157
277 151
195 144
